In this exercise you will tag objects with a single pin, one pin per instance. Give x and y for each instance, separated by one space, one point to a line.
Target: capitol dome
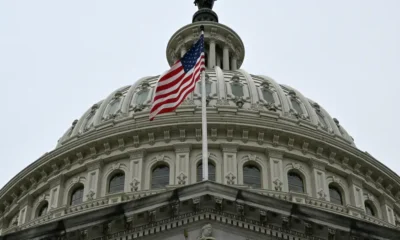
279 164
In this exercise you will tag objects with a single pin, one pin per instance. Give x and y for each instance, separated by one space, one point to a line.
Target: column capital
182 148
229 147
57 180
274 154
93 165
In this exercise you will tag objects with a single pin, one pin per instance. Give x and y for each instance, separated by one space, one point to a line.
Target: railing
108 200
62 212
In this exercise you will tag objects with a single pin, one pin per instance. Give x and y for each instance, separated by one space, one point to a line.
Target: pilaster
136 169
229 152
25 209
182 152
320 188
275 170
356 195
387 210
92 190
56 192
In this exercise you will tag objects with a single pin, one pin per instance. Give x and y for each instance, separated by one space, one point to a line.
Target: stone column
319 188
387 209
183 50
182 152
226 58
356 196
229 152
275 170
92 190
211 55
136 166
233 63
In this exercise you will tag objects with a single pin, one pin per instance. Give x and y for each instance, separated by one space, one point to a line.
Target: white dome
238 91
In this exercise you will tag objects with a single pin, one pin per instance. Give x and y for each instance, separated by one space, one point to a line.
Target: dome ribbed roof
237 90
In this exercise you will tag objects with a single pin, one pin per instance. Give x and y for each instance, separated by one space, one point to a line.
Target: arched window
117 183
252 176
295 182
42 210
268 96
211 171
160 176
296 106
77 196
369 209
335 195
321 120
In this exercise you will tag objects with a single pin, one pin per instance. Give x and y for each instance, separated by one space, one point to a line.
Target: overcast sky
58 58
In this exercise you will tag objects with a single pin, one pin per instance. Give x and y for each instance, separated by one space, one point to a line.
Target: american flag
174 86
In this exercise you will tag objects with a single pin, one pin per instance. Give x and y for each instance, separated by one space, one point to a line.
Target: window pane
335 195
295 183
211 172
77 196
208 88
268 96
160 177
117 183
252 176
296 106
369 210
114 107
43 210
237 89
142 96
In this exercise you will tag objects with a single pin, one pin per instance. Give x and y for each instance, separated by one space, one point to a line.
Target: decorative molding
121 144
275 140
107 148
304 148
214 134
136 142
167 136
260 138
229 135
290 144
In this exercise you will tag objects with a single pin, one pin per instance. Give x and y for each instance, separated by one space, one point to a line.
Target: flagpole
204 120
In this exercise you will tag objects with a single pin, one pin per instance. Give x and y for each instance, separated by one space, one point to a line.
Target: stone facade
252 121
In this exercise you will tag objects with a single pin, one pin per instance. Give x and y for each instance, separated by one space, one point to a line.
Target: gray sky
57 58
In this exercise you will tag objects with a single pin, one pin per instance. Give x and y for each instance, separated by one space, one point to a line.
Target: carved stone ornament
322 194
90 195
278 185
135 185
182 179
230 179
206 233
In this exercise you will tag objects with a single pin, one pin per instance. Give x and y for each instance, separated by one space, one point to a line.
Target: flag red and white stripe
175 85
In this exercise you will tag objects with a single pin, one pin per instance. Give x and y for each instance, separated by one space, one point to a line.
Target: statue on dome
204 3
206 233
